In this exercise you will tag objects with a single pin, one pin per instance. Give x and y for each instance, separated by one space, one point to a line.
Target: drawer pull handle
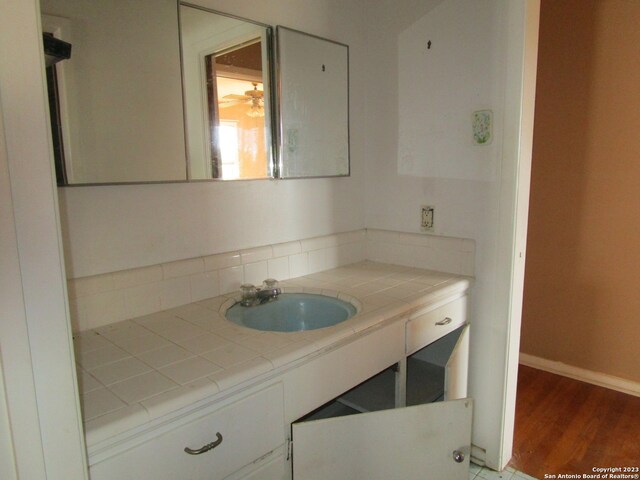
206 448
444 321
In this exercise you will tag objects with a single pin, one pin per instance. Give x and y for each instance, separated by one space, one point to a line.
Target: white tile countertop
141 369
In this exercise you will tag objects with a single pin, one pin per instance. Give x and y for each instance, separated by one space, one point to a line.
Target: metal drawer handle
444 321
206 448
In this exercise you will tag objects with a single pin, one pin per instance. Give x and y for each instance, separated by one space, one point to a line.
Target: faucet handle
270 284
249 292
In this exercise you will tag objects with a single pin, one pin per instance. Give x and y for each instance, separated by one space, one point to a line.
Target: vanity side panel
457 369
325 377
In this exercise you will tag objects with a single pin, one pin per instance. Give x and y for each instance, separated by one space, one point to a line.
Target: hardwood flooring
566 426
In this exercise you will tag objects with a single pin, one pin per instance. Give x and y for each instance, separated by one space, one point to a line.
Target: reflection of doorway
55 115
236 112
56 38
229 161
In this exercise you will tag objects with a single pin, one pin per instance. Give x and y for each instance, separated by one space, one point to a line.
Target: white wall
15 359
35 337
420 153
110 228
441 83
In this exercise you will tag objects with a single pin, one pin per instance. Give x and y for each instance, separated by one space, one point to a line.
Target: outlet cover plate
427 213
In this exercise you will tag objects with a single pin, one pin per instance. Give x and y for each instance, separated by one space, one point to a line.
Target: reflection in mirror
226 73
313 77
118 97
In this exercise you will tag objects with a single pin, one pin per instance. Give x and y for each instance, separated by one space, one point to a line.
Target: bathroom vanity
381 395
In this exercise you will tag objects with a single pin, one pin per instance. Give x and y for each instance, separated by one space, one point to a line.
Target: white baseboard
588 376
478 455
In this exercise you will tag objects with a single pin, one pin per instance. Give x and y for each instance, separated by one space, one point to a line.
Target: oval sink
292 312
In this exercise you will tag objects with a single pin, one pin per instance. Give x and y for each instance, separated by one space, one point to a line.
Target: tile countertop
132 372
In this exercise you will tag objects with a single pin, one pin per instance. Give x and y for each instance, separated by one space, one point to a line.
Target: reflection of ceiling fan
254 97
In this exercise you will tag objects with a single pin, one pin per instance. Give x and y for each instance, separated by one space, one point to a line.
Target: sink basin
292 312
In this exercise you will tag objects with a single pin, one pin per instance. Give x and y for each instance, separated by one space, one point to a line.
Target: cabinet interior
425 383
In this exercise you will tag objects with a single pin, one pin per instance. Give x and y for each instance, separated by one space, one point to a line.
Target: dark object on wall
55 50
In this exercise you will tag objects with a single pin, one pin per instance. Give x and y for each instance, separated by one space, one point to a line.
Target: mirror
313 84
227 95
124 111
117 103
120 93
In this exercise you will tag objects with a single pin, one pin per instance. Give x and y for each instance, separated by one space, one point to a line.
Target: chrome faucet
252 295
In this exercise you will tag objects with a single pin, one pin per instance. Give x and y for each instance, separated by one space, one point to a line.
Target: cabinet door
412 443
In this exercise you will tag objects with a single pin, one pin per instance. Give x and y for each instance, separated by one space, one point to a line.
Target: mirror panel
227 94
120 92
123 110
313 88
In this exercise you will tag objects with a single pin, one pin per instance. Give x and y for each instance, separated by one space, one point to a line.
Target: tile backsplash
444 254
111 297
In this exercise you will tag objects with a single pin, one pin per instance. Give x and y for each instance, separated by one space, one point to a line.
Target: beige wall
582 296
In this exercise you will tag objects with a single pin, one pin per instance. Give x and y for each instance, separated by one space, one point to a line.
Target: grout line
507 474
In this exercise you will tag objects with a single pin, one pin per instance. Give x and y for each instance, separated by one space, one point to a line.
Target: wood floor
567 426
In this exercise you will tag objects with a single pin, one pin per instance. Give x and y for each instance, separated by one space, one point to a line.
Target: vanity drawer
425 327
250 427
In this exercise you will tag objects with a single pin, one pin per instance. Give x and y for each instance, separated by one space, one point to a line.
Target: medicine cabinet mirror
188 94
120 114
227 95
313 80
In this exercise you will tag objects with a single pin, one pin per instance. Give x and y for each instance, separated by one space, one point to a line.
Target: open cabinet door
423 442
456 371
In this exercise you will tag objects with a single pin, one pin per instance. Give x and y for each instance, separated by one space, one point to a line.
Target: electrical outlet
427 218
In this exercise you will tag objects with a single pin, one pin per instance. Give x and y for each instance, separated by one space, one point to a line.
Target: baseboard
588 376
478 455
